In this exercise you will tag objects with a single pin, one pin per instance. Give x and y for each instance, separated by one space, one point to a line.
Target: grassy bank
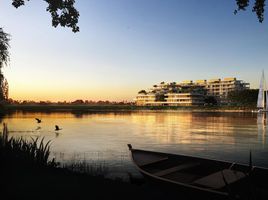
112 108
28 172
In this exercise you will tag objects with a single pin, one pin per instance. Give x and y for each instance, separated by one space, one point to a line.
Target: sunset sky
127 45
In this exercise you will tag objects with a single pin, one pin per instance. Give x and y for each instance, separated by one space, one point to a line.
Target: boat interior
203 173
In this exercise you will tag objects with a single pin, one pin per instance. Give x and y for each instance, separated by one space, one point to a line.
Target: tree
142 92
5 89
4 59
210 100
160 97
258 8
62 12
4 49
244 97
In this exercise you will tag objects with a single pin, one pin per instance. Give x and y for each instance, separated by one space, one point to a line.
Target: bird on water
38 120
57 128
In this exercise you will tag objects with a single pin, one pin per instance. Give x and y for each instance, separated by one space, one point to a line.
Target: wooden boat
200 176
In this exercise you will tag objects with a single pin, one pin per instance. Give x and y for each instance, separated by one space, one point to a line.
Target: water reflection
102 137
262 127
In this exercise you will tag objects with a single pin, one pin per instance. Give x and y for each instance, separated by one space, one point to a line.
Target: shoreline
27 171
123 108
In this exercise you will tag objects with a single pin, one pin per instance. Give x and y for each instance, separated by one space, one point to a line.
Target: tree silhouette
258 8
4 59
62 12
4 88
4 48
244 97
142 92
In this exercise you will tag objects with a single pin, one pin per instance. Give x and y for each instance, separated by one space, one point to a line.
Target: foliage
94 169
244 97
4 59
142 92
210 100
160 97
4 48
27 152
3 89
258 7
62 12
193 89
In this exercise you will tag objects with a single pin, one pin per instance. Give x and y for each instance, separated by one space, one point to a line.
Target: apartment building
171 94
190 93
185 99
220 88
171 99
144 99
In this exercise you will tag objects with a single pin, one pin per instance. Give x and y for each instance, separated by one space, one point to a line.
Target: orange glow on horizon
71 95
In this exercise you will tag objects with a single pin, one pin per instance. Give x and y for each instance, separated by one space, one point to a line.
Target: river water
103 137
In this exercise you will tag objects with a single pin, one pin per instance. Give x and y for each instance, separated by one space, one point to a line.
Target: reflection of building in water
262 127
190 128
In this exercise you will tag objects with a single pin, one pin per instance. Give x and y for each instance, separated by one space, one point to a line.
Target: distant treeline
244 97
76 102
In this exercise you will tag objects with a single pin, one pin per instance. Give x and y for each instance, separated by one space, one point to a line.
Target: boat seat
175 168
216 180
153 161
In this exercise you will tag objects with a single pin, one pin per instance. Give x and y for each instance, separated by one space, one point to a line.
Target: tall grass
94 169
33 151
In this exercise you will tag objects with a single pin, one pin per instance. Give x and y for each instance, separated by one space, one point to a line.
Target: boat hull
179 180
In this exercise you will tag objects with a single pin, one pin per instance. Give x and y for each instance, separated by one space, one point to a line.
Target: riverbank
113 108
27 172
18 182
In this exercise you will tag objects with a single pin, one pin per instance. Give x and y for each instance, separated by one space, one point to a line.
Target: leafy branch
62 12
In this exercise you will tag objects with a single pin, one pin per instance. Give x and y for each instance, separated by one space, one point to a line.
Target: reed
33 151
93 169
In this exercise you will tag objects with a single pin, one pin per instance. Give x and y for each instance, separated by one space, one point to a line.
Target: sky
127 45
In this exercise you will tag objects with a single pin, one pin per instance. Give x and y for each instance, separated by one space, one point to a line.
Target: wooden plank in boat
216 180
175 168
153 161
143 159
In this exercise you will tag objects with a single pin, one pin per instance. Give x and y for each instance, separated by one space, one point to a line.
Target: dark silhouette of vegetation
244 97
65 14
258 8
75 102
142 92
160 97
210 100
27 152
62 12
4 48
4 60
3 89
27 172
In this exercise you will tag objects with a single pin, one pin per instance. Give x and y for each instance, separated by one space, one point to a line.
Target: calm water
103 137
